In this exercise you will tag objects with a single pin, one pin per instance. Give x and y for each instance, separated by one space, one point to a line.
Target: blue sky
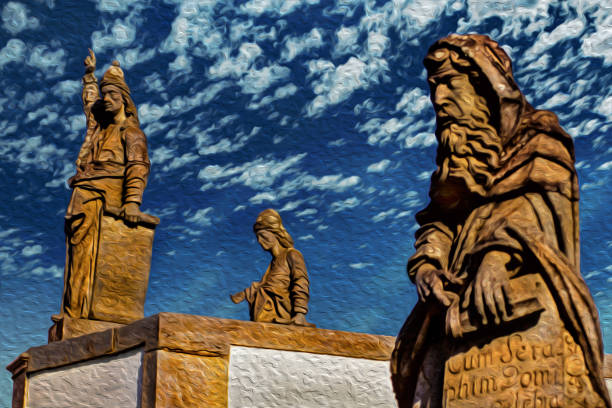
319 109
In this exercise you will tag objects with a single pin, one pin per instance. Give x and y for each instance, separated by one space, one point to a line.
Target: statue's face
266 239
453 96
113 101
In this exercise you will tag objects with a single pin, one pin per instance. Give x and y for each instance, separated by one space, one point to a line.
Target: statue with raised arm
281 296
504 318
111 174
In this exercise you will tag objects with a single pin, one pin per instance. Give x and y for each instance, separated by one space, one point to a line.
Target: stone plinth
65 327
174 360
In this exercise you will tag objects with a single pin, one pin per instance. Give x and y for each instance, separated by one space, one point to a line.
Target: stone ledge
204 336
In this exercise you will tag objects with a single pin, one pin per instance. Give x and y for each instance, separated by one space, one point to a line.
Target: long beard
468 158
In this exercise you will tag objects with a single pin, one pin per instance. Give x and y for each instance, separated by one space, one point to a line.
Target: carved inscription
509 372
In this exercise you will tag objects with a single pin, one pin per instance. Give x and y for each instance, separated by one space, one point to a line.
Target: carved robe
283 290
112 170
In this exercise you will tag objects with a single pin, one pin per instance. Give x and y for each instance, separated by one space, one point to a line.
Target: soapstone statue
281 296
108 244
504 318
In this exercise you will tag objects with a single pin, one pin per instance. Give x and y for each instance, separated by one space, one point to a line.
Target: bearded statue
504 318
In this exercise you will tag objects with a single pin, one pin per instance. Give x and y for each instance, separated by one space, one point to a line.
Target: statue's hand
490 287
300 320
238 297
428 283
131 213
90 62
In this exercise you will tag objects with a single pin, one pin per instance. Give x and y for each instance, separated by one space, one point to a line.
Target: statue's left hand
490 287
131 213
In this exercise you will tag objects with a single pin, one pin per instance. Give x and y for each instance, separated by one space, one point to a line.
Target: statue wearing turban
503 310
112 170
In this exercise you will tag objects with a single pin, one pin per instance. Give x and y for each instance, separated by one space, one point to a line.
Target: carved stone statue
504 318
108 254
282 294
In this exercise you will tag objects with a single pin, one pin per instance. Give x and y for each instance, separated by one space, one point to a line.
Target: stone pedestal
65 327
174 360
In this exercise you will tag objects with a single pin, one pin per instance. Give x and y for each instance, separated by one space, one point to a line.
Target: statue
107 257
282 294
504 318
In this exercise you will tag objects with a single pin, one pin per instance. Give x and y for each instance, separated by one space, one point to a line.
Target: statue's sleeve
433 243
299 281
137 165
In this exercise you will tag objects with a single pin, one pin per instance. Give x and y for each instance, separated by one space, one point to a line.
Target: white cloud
201 217
379 167
336 84
13 51
360 265
339 206
565 31
258 80
597 44
32 250
295 46
227 66
52 63
384 214
346 41
121 34
376 44
414 102
180 161
134 56
307 237
227 145
53 271
306 212
605 107
281 92
556 100
257 174
256 8
15 18
150 113
113 6
67 90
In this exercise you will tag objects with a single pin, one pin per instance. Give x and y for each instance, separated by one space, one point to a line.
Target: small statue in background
282 294
108 258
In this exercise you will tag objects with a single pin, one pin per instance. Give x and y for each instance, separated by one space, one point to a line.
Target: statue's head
269 229
116 93
477 105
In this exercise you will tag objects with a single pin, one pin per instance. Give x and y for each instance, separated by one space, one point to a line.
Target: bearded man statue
504 318
111 174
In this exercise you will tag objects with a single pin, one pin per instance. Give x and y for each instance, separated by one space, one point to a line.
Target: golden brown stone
122 271
65 327
281 296
108 256
504 317
185 380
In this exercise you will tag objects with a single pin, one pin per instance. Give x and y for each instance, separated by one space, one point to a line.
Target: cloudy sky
317 108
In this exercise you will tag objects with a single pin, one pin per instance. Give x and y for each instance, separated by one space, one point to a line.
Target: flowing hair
270 220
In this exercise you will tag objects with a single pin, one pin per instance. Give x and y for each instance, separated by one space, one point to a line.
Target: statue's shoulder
293 255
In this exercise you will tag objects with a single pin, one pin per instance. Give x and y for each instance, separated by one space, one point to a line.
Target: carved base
535 365
65 327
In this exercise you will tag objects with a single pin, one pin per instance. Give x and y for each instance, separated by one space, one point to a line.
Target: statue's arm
299 282
91 92
137 165
433 243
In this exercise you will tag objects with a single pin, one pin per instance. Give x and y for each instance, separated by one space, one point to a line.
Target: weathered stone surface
112 381
186 380
65 327
278 379
122 271
504 316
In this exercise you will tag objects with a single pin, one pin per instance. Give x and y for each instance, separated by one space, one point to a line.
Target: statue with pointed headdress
111 174
281 296
504 318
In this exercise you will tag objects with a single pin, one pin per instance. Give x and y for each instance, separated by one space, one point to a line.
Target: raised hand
90 62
